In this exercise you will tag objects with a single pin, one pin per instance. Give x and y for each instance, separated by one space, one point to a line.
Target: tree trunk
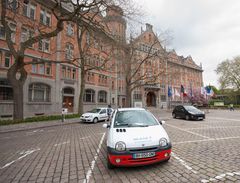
17 76
128 96
82 88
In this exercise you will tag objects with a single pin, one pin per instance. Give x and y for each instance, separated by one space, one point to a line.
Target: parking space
203 151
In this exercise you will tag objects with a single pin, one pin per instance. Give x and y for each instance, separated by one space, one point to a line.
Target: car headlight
163 142
120 146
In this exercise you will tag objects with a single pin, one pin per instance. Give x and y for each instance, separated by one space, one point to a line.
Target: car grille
144 149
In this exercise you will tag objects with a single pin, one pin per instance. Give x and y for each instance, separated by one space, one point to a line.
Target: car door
103 114
181 112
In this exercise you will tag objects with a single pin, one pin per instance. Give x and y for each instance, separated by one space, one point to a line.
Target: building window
137 95
34 68
26 34
102 97
45 17
39 92
29 10
12 4
74 74
44 45
6 91
41 69
68 72
69 51
89 95
13 33
7 61
70 29
48 69
2 32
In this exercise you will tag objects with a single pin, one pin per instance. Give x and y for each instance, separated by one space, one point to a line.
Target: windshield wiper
122 124
137 125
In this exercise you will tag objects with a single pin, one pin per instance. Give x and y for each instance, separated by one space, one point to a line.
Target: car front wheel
95 120
109 164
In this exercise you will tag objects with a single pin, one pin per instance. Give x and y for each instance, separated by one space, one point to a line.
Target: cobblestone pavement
203 151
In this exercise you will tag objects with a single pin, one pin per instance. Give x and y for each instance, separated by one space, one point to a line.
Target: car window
134 118
103 111
95 111
192 109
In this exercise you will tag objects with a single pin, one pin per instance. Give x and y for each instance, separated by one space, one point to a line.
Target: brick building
49 87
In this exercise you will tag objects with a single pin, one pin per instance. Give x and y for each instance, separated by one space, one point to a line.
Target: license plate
143 155
200 117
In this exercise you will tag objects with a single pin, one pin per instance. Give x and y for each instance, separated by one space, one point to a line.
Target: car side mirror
106 125
162 122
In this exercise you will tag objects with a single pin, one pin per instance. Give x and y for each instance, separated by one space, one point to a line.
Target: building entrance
151 99
68 98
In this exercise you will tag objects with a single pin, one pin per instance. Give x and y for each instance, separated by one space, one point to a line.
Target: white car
135 137
95 115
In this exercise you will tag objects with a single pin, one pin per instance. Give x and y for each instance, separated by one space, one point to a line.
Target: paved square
203 151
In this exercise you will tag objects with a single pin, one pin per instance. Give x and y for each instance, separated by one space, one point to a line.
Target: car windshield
134 118
95 111
192 109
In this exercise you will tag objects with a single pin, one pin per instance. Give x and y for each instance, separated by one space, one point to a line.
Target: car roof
131 109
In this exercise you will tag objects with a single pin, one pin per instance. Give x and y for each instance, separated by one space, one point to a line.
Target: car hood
135 137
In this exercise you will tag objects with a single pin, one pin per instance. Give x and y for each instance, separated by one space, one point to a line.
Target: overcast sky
208 30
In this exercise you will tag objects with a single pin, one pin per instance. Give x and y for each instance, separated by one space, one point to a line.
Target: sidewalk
35 125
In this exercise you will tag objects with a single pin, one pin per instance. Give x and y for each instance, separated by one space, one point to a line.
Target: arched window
89 95
39 92
6 91
102 97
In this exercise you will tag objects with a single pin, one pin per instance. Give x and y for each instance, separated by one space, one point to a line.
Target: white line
26 153
62 143
188 131
206 140
224 119
219 177
84 138
183 163
89 173
221 127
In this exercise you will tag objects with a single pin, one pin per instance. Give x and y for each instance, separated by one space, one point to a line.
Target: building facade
50 87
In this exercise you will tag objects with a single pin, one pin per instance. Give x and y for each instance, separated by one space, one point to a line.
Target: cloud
206 30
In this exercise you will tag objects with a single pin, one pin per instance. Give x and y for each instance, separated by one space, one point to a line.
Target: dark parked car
188 112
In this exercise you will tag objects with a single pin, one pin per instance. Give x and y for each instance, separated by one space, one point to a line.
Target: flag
169 91
176 92
208 90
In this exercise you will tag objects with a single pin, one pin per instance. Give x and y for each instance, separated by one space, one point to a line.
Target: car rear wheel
95 120
173 115
187 117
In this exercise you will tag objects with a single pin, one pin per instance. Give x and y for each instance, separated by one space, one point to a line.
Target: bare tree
65 10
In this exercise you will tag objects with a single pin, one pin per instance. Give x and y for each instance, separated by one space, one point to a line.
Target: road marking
188 131
206 140
26 153
213 127
35 131
89 173
84 138
62 143
219 177
224 119
183 163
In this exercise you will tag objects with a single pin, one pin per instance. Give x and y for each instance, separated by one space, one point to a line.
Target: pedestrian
231 107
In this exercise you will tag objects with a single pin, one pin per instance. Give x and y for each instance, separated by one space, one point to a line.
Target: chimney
148 27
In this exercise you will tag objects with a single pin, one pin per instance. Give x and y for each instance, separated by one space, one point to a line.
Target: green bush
37 119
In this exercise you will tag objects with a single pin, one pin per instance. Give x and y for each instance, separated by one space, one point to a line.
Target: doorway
151 99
